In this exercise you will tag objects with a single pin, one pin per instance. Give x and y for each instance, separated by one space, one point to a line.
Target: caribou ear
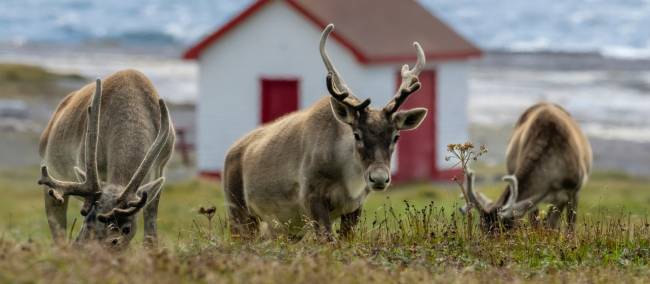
343 112
152 189
409 119
81 175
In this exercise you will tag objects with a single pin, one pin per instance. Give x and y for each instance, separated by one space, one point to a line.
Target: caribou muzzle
378 178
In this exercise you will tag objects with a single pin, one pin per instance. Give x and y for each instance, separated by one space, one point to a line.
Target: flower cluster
464 153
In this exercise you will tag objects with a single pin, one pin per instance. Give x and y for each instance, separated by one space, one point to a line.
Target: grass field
422 241
28 82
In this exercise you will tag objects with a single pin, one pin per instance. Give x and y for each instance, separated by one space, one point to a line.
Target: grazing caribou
320 163
108 145
549 160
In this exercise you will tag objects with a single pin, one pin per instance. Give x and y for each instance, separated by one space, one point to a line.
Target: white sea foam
175 79
614 28
608 104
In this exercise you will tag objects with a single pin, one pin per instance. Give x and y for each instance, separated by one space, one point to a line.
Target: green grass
421 240
26 81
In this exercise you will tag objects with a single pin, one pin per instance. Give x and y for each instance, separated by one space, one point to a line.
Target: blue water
618 28
120 21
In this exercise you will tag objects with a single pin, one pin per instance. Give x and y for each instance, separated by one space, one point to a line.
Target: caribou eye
395 138
357 136
126 230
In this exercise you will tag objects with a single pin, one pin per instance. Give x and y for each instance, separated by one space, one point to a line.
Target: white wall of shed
451 118
276 42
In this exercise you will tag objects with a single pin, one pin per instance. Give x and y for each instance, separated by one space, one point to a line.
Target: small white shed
265 62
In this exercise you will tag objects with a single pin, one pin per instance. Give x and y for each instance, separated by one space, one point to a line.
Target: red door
416 149
279 97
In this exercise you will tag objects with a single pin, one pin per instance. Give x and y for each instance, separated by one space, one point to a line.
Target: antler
514 208
90 186
150 157
127 208
335 84
132 207
514 191
341 96
479 201
410 82
484 204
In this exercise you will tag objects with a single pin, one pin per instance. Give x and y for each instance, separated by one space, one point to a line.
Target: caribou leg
150 213
242 223
56 216
572 211
319 210
348 222
323 223
533 217
554 214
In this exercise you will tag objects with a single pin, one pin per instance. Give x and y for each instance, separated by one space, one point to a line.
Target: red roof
375 31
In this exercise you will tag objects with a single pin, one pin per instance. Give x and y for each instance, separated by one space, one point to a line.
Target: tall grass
411 233
409 244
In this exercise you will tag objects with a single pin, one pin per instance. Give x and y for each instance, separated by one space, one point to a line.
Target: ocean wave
613 28
82 21
626 52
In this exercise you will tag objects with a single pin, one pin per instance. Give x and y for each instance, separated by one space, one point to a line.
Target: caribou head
109 209
498 213
375 131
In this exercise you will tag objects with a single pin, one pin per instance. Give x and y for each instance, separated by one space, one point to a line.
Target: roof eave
195 51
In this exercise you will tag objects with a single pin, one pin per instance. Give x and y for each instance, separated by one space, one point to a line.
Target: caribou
108 145
318 164
548 160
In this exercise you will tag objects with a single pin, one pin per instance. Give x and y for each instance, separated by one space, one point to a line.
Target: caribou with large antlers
320 162
108 145
548 160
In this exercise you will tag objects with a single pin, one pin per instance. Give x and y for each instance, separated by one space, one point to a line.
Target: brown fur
128 124
305 164
319 163
551 160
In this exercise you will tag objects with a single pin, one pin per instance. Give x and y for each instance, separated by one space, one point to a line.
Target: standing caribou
321 162
548 160
110 150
